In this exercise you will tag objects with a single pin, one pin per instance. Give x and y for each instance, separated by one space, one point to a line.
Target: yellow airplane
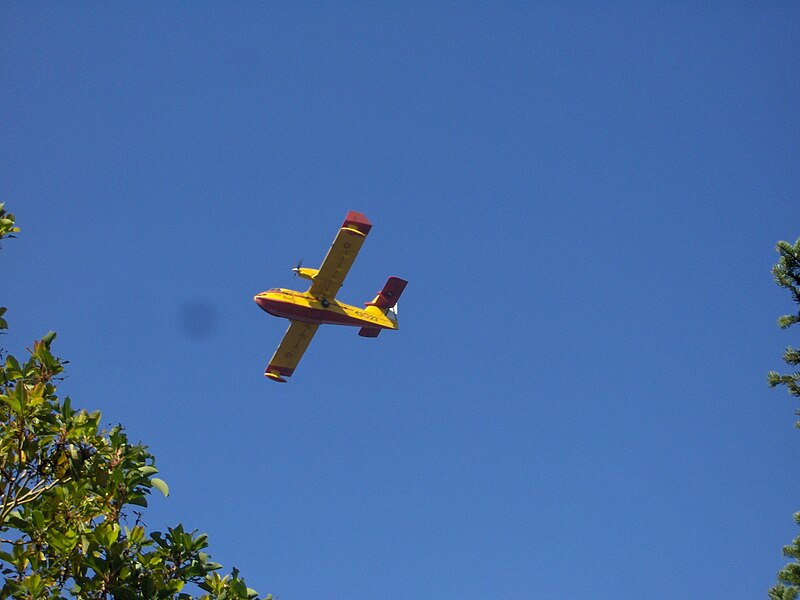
308 310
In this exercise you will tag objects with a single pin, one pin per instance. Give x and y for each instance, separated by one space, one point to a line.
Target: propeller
296 268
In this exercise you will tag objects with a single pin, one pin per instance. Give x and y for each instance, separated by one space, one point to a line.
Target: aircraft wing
290 350
340 257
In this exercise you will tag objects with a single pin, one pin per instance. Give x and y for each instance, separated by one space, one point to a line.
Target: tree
787 275
71 496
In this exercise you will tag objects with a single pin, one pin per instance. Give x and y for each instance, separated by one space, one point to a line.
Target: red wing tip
358 221
274 377
277 373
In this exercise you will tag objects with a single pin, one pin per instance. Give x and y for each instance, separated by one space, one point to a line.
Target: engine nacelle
306 273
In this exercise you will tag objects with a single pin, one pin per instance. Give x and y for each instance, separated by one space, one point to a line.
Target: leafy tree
787 275
71 494
7 227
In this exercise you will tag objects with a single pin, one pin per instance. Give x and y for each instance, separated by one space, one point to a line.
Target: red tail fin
390 293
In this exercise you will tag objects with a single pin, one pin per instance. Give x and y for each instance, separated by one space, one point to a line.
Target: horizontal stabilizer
390 293
369 332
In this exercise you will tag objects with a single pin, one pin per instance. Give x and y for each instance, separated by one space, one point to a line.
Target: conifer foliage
787 275
71 496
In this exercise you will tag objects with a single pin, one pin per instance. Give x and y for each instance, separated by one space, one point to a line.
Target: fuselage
302 306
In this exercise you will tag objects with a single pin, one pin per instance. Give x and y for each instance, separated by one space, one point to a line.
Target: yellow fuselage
302 306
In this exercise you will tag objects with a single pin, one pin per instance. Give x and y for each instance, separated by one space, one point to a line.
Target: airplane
308 310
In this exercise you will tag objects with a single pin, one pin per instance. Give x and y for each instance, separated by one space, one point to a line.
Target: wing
341 256
290 351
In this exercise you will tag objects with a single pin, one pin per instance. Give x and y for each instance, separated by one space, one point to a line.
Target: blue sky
585 199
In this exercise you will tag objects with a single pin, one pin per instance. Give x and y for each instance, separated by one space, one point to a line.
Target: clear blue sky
585 199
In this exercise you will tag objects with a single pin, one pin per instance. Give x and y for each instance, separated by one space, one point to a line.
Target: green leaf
11 363
138 501
117 476
62 543
136 535
15 520
113 534
33 583
124 593
13 402
38 519
160 485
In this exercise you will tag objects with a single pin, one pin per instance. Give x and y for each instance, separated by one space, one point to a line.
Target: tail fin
390 294
385 302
